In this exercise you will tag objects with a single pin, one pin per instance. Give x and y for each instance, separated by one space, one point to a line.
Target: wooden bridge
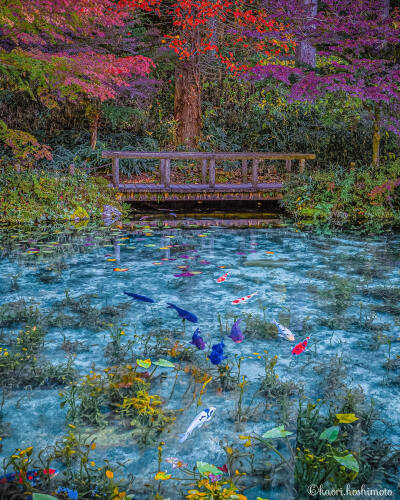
206 189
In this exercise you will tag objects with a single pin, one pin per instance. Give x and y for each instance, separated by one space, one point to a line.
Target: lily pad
330 434
164 363
348 461
276 432
204 468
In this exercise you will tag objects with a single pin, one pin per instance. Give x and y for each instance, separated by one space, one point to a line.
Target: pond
83 362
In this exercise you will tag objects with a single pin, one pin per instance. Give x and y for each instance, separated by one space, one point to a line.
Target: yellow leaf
163 476
346 418
144 363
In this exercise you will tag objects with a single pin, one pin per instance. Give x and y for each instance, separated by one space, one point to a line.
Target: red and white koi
243 299
299 348
222 278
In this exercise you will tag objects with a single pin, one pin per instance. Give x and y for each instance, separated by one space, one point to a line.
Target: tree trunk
376 140
187 105
94 126
386 8
305 52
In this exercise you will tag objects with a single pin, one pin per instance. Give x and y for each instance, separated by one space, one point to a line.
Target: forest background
80 77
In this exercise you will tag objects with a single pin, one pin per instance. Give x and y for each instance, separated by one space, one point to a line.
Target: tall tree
194 29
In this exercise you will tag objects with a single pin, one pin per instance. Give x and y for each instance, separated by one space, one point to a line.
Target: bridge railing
249 173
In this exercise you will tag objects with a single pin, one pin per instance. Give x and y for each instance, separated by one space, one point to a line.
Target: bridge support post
302 165
115 172
254 173
204 171
288 165
167 175
162 171
212 173
244 171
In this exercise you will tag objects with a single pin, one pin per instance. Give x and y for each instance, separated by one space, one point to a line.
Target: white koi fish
243 299
203 417
283 332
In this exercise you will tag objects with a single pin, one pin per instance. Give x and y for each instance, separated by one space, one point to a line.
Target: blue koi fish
197 340
139 297
236 333
71 494
217 353
184 314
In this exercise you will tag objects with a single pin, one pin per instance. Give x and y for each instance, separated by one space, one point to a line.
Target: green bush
360 197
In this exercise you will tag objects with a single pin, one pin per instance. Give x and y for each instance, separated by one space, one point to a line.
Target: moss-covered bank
39 196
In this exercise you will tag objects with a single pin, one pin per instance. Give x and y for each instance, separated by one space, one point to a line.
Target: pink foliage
58 33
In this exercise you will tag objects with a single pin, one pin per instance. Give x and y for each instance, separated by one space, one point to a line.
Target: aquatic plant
86 400
337 296
116 351
80 474
333 371
324 441
213 488
271 385
19 312
121 390
21 362
258 327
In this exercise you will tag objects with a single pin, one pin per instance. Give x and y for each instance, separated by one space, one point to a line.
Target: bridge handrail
207 163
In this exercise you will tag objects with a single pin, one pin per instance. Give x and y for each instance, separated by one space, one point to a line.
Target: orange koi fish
299 348
221 279
120 269
243 299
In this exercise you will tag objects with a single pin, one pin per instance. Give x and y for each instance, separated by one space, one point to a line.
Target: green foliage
31 196
237 116
359 198
271 385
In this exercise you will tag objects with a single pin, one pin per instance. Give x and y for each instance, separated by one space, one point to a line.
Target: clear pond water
343 292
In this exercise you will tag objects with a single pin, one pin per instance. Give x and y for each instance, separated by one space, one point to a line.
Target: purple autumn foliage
357 43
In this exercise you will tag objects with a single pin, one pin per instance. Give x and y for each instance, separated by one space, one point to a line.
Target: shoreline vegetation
359 198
